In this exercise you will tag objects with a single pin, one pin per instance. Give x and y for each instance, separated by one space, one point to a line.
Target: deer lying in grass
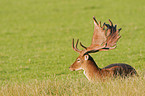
104 39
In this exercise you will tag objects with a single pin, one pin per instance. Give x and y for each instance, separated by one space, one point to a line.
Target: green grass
76 87
36 36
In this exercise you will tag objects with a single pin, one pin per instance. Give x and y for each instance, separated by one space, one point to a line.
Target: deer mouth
71 69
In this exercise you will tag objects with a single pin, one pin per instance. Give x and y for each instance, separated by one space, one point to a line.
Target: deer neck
91 70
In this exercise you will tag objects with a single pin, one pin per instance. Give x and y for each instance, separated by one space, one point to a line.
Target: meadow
36 51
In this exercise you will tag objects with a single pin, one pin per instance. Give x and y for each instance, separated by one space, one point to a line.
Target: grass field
35 46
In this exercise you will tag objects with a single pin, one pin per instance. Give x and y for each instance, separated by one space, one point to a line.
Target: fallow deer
104 39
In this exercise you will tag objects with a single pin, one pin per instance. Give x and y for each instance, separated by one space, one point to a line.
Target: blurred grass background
36 36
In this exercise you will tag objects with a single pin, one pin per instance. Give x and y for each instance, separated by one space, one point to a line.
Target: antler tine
110 22
103 26
76 44
83 45
75 47
115 26
119 29
73 44
117 38
100 23
95 19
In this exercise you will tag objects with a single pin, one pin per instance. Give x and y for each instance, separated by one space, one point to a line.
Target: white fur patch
86 75
78 69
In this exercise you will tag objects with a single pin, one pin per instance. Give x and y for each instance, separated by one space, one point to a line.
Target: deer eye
78 59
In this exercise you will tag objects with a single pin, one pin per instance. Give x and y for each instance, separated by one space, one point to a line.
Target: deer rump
121 69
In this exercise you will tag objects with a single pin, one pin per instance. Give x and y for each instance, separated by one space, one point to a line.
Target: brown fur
93 72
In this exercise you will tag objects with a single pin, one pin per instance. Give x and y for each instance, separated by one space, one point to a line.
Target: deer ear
86 57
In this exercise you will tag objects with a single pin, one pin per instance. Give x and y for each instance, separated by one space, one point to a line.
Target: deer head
104 38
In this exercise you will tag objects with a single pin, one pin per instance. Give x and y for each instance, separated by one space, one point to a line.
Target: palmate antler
103 38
